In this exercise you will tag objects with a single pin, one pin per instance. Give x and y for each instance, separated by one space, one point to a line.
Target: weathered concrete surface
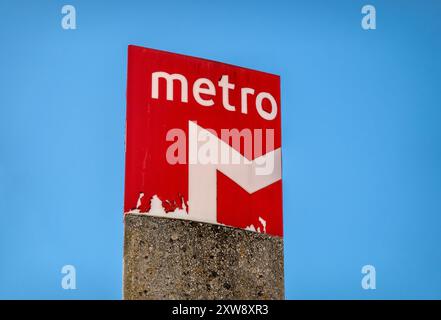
177 259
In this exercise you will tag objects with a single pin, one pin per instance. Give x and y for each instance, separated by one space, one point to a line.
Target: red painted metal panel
151 177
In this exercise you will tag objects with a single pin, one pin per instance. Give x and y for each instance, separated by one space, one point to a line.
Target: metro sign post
203 142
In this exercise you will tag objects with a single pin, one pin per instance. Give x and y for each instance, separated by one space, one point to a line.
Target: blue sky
361 137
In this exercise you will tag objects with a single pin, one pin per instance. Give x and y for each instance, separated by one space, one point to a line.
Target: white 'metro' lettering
204 86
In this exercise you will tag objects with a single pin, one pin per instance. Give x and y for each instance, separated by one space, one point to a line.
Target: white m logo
202 183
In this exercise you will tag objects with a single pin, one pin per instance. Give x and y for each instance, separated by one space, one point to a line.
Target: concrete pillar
178 259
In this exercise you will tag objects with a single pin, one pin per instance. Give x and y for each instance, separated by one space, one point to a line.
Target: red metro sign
203 141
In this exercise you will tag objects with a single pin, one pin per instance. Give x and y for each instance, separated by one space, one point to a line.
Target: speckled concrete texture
178 259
